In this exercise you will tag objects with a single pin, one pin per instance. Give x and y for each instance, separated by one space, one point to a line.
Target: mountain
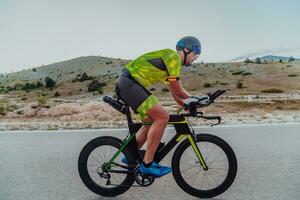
285 53
68 70
276 58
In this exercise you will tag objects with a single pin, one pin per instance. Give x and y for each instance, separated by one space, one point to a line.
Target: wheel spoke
195 175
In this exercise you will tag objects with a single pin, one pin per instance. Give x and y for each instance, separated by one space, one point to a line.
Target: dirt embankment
89 113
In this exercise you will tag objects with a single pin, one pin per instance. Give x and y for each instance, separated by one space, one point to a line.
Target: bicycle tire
231 174
83 168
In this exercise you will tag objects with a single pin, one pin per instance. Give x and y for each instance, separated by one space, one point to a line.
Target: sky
40 32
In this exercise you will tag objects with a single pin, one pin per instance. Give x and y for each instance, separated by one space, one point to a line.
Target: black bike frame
182 128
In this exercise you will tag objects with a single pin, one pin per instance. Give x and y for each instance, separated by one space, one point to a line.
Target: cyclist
162 66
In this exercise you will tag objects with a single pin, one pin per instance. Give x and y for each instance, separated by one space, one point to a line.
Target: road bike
203 165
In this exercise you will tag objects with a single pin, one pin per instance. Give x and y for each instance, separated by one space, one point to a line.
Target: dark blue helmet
191 43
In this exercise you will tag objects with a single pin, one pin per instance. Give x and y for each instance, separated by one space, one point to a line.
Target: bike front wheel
193 178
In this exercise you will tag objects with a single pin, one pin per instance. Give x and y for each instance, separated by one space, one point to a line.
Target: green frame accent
196 149
108 166
182 130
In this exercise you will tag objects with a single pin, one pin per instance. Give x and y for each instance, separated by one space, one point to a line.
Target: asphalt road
40 165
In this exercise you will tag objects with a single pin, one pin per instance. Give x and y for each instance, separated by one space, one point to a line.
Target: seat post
128 115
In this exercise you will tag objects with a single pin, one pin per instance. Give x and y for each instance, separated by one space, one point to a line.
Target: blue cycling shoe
155 164
154 170
124 160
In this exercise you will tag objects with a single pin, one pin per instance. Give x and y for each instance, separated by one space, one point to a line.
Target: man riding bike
162 66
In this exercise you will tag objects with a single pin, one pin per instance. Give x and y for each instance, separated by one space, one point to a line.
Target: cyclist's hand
197 100
188 101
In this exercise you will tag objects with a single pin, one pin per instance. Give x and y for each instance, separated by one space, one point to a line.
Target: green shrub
257 61
239 84
100 91
248 61
18 86
291 59
237 72
224 83
246 73
7 106
49 82
4 107
95 86
42 101
57 94
85 77
207 85
29 86
292 75
272 90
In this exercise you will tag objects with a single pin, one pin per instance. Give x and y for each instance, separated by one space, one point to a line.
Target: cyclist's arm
178 92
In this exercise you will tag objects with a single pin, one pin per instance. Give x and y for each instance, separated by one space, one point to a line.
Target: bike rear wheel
190 175
92 160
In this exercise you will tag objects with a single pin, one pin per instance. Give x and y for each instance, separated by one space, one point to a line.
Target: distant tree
34 69
49 82
29 86
84 77
39 84
291 59
257 61
248 61
280 60
18 86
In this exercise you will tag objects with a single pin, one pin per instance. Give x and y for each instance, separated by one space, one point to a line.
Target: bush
42 101
100 91
207 85
32 86
246 73
39 84
9 88
34 69
224 83
152 89
237 73
257 61
18 86
4 107
291 59
84 77
248 61
57 94
49 82
239 84
292 75
95 86
272 90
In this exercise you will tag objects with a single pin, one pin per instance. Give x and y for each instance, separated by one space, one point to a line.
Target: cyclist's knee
158 113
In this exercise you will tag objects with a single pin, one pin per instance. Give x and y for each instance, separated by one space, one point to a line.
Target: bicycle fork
196 149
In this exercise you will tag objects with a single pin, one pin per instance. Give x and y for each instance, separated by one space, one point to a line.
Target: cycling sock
147 165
